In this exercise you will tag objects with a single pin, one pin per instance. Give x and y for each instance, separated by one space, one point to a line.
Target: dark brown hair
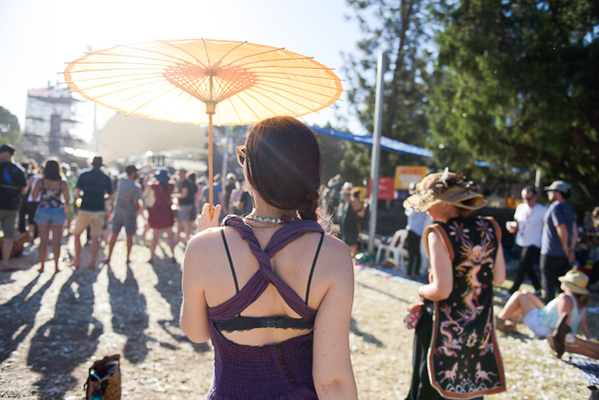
284 165
52 169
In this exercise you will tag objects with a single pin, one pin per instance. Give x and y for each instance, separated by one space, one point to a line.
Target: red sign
386 188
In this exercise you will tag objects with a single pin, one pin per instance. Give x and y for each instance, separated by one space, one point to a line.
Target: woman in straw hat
456 353
562 315
271 290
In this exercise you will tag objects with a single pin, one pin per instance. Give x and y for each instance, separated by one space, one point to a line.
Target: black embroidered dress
455 351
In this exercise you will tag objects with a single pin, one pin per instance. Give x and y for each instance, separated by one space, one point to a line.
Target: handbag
413 316
104 377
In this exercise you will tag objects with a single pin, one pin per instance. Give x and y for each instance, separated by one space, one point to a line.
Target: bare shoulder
203 248
335 255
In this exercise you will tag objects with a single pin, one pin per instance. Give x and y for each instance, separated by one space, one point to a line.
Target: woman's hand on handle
209 217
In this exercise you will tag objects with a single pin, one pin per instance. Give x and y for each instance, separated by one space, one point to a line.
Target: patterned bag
413 316
105 374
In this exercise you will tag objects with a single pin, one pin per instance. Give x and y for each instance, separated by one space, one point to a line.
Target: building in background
49 120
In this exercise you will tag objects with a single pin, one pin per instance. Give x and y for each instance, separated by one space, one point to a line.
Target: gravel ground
54 325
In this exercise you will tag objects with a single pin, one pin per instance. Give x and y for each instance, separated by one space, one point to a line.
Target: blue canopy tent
386 143
394 145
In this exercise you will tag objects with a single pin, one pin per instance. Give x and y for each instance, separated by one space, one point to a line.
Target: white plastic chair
395 246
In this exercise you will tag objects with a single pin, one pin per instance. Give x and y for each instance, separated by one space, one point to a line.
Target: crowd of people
42 204
273 290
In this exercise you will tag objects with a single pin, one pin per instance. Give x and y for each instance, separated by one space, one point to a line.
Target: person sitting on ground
544 320
271 290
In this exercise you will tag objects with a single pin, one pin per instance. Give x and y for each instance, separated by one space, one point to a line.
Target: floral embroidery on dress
458 231
464 358
485 229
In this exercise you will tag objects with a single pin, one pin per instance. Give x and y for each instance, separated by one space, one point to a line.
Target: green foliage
516 84
10 132
397 29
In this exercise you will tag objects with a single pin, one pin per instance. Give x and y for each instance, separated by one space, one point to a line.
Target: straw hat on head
576 281
445 187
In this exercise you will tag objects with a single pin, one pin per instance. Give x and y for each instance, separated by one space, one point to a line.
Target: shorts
186 212
94 219
532 321
128 221
50 216
8 218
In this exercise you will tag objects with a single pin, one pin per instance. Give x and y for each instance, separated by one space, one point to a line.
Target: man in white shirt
529 225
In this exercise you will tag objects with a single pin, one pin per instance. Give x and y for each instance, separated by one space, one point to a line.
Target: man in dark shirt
13 186
557 239
94 188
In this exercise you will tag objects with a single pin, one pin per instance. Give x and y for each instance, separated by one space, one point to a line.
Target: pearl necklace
284 220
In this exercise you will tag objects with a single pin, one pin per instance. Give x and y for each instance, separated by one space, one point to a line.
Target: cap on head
559 186
445 187
7 147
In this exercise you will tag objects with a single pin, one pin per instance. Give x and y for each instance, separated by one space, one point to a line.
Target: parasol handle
210 111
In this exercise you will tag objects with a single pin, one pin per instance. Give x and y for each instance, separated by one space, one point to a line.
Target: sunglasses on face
240 150
529 198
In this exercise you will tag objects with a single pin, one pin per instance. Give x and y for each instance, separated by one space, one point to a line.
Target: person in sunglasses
528 223
272 290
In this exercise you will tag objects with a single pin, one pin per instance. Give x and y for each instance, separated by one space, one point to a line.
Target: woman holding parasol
271 290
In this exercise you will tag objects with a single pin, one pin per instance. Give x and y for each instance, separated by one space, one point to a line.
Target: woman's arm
194 319
36 189
441 270
65 193
332 369
584 327
499 267
194 310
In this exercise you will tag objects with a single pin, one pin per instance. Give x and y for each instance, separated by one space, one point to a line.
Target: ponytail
308 209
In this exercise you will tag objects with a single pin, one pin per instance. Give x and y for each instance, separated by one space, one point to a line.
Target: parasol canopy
201 81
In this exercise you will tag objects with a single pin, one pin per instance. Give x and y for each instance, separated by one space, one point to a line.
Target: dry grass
52 327
382 349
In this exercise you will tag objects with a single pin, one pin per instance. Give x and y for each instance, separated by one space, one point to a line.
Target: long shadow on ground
169 285
69 339
18 316
129 314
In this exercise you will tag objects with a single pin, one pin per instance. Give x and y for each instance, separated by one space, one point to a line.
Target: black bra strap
222 233
312 269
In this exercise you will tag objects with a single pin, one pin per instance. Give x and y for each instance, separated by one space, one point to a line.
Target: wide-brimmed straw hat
445 187
576 281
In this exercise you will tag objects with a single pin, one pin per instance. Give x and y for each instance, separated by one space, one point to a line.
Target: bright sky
39 37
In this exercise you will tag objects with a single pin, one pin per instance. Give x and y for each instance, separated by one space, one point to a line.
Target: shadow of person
66 341
368 338
129 314
169 286
18 316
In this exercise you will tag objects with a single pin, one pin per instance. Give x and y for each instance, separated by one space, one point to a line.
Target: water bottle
97 394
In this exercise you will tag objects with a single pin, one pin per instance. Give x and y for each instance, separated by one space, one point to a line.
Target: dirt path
53 326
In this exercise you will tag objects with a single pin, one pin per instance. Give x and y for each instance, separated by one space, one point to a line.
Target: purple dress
280 371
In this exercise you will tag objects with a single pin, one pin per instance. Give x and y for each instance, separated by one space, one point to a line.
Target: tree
10 132
397 29
516 84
